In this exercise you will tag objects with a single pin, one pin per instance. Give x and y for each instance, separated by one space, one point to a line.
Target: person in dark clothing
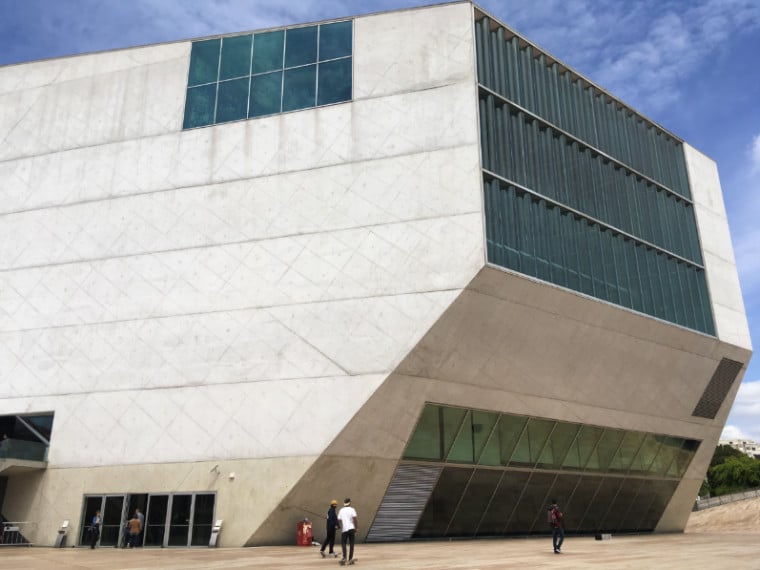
558 530
332 525
95 529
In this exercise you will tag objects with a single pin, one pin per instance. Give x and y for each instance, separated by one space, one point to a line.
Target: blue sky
690 65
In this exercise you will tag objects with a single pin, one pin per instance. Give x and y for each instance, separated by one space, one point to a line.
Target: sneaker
333 554
342 562
322 552
350 562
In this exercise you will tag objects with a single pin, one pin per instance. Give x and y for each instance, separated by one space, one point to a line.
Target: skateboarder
332 524
348 523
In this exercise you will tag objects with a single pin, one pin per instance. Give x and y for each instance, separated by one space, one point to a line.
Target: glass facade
500 471
247 76
582 192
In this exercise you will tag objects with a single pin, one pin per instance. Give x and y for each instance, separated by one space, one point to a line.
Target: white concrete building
746 446
238 288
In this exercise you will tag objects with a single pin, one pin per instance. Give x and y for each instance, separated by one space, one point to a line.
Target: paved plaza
675 551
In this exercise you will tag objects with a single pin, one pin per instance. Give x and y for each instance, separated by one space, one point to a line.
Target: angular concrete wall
231 293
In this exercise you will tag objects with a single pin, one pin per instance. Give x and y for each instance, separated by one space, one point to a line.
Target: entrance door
111 509
155 520
179 527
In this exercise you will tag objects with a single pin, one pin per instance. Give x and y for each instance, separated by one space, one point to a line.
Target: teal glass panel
266 91
627 451
583 447
300 46
683 458
646 455
299 88
558 445
268 51
199 106
334 82
236 57
204 62
669 447
232 100
450 421
605 450
531 443
426 440
462 451
483 424
335 40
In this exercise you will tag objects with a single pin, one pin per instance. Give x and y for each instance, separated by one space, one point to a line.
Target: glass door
155 520
111 509
179 527
203 518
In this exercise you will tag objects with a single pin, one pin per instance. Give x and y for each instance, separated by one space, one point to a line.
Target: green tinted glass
335 40
301 46
463 449
605 450
334 81
204 62
236 57
426 439
267 51
559 443
299 88
232 100
583 447
199 106
266 91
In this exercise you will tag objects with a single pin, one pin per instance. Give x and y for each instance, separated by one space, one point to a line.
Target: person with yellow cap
332 525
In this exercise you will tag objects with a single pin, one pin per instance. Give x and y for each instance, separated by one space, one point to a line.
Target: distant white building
747 446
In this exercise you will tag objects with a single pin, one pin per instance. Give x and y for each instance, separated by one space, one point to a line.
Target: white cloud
754 154
744 419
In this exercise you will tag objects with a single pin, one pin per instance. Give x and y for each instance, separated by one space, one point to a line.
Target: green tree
734 474
723 452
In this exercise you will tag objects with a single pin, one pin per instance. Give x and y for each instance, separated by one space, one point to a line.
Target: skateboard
349 562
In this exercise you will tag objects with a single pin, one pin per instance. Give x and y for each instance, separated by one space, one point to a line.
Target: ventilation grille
403 504
717 389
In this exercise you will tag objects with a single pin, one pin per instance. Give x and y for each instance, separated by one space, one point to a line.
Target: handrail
702 504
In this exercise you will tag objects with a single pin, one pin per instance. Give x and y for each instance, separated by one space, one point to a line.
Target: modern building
408 258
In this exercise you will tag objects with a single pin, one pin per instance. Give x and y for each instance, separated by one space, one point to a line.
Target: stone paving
738 550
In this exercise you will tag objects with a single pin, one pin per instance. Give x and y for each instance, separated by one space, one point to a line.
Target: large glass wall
500 471
582 192
253 75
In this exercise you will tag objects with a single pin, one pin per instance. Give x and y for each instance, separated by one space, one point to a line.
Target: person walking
558 529
332 525
348 524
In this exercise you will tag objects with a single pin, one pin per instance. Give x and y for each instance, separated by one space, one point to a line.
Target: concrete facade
279 297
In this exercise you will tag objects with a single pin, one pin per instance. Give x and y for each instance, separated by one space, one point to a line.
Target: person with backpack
554 517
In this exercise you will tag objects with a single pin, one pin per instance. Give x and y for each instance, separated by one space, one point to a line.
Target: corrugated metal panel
717 390
403 503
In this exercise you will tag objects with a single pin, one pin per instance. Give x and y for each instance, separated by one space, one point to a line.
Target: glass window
426 439
532 504
532 442
605 450
628 449
267 51
204 62
503 503
266 91
199 106
499 448
443 502
334 82
301 46
232 100
582 448
236 57
462 450
474 502
558 445
335 40
299 88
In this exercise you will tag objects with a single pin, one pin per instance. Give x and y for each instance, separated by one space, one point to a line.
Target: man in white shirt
347 520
